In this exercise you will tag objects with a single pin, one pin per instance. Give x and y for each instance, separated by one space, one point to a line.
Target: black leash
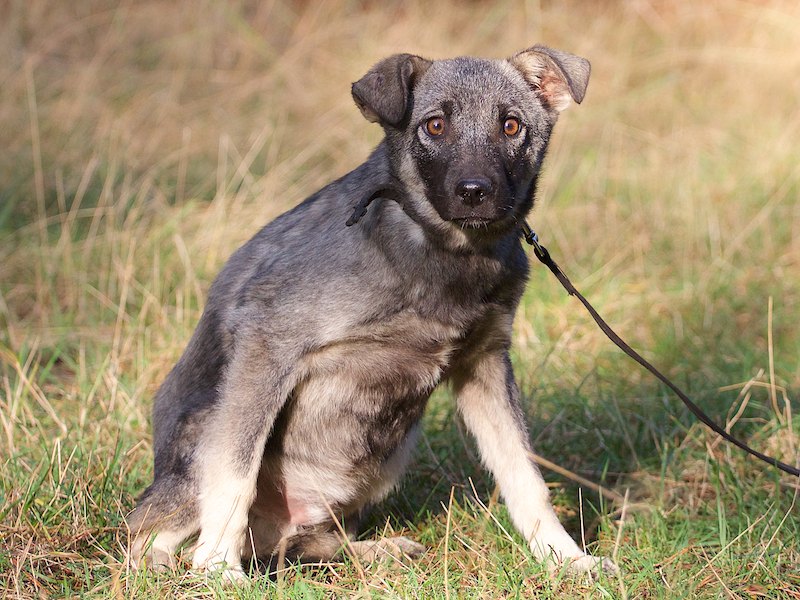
544 256
384 191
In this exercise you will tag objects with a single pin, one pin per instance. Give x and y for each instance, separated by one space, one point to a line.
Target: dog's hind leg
253 392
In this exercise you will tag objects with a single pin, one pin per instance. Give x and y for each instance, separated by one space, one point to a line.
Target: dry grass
144 141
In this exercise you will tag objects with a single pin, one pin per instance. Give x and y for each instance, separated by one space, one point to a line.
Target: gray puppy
298 399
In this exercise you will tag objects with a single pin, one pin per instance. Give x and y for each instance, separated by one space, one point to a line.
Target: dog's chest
361 392
402 355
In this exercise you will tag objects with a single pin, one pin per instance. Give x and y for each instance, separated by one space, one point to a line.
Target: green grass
143 143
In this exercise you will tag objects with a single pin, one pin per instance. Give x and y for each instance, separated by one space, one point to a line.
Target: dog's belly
346 433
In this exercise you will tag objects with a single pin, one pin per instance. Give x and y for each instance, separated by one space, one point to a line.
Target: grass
143 142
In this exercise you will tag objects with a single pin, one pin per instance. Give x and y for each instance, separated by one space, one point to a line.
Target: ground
143 142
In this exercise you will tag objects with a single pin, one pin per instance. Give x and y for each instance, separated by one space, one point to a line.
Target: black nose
474 191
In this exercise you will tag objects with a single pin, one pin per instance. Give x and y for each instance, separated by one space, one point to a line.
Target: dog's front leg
488 399
254 390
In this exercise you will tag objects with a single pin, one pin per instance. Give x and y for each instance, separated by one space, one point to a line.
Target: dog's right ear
383 93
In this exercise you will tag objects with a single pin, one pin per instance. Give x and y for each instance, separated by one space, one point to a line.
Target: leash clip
533 239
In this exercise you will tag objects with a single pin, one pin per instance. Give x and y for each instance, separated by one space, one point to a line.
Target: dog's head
467 136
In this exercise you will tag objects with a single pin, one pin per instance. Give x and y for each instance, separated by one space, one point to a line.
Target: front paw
559 551
228 574
214 562
591 565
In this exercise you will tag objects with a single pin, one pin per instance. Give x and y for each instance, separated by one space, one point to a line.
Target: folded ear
383 94
557 76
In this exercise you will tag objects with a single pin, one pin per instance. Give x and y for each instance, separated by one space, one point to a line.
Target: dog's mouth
488 216
473 222
477 222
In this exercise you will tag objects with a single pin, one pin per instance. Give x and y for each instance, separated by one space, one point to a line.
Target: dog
298 399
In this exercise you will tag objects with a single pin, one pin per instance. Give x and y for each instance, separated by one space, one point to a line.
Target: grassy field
142 142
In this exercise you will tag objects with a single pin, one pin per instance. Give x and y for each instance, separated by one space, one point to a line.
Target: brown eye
435 126
511 127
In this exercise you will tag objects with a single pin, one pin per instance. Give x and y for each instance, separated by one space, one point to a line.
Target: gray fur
297 399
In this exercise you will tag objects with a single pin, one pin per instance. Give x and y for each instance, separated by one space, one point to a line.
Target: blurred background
142 142
678 173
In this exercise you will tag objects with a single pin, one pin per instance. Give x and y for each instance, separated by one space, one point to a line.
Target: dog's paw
234 576
213 563
591 565
398 548
145 553
582 565
408 547
227 575
560 552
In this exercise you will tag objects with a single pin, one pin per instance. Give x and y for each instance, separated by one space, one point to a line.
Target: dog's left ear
558 77
383 93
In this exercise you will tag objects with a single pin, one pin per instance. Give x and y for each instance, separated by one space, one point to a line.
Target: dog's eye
435 126
511 126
